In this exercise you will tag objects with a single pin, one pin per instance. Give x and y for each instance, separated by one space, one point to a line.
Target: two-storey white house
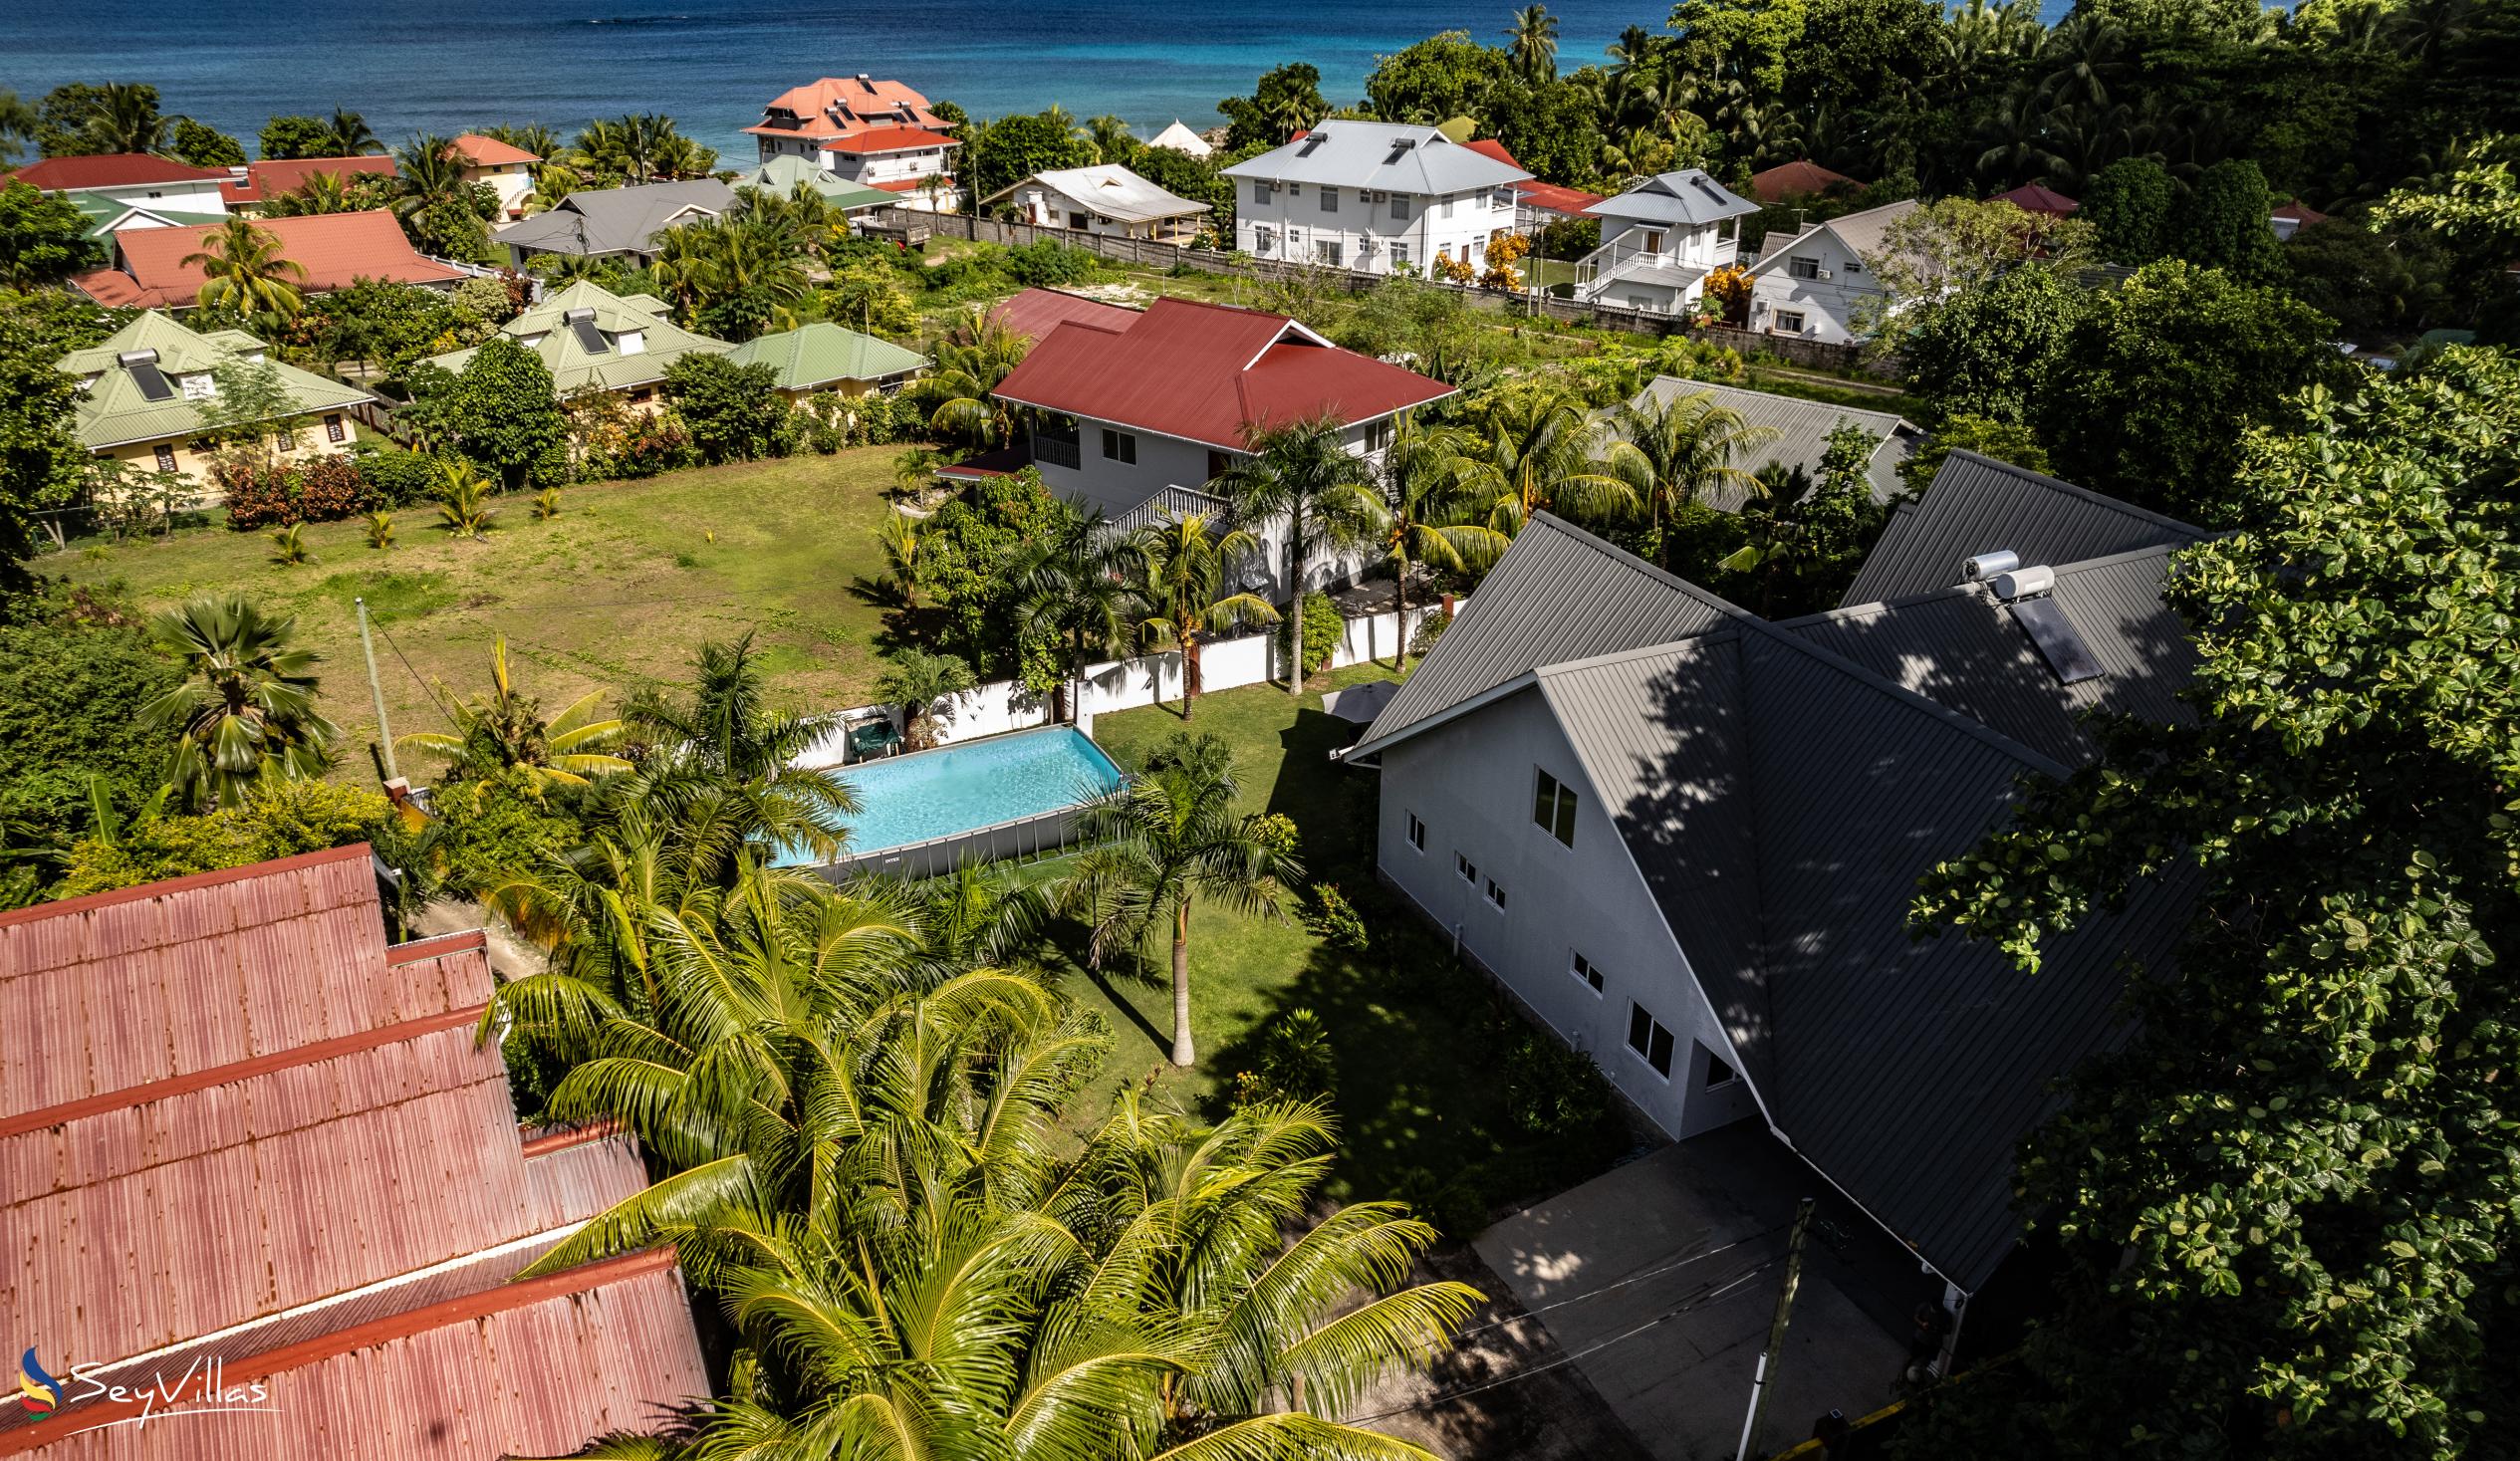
1659 241
875 134
1374 196
1819 283
1137 420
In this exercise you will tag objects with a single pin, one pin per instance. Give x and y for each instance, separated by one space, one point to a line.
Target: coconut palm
915 469
351 134
1537 452
901 538
1426 511
1533 47
246 709
1181 565
553 183
1669 450
505 728
124 119
244 271
464 498
1165 840
1295 475
434 199
920 683
1112 139
967 365
1068 586
321 193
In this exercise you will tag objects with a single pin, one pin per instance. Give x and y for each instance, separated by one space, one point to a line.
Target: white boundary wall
1000 706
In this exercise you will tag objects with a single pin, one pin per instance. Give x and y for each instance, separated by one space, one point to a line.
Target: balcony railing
1057 453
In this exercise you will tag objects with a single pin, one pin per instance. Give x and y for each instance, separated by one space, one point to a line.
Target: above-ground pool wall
1000 706
1025 838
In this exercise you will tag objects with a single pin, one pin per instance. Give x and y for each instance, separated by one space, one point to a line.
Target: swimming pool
1020 782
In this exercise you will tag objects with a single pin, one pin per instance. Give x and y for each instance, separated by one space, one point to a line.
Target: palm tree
245 271
1533 44
1110 138
967 365
553 183
1181 565
124 119
506 728
1669 450
918 681
1426 511
430 177
901 538
1068 586
915 469
1295 475
1168 838
1536 453
321 193
351 134
464 498
246 711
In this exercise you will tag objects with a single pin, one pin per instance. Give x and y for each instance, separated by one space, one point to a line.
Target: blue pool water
932 794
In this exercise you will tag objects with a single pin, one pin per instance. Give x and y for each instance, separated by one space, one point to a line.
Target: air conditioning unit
1824 274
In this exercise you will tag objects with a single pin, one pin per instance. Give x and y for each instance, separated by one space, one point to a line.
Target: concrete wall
1295 225
1831 308
1472 783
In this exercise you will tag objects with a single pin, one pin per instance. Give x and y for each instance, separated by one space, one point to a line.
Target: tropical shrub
1553 1090
1431 628
1569 238
1296 1063
277 819
1335 918
1323 628
732 413
394 478
1049 262
79 671
487 830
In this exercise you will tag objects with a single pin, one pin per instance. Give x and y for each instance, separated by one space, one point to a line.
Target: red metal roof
1491 147
1209 373
270 180
2300 212
2032 197
1034 313
480 151
113 170
892 139
337 250
1556 199
235 1122
533 1368
1798 180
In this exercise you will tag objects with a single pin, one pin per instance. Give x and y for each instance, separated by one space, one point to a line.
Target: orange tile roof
1798 180
840 107
272 177
481 151
336 249
112 169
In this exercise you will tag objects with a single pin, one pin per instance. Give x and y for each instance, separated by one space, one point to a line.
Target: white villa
1373 197
1104 199
1818 284
1659 241
877 134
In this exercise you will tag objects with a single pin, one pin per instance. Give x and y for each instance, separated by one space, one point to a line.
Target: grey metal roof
1371 154
1691 198
1781 801
1110 190
1647 269
619 220
1980 505
1802 433
1559 593
1961 647
1862 233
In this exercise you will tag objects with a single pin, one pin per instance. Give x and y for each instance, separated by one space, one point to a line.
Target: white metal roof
1379 154
1109 189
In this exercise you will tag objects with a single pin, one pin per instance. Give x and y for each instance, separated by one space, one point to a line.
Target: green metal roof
781 176
113 411
103 213
820 354
546 331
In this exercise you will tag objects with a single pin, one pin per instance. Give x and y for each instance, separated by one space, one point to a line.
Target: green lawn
619 588
1421 1043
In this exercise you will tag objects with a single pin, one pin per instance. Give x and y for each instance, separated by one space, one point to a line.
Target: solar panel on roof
153 382
581 324
2059 642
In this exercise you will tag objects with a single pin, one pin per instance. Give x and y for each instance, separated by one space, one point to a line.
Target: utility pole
376 688
1776 1332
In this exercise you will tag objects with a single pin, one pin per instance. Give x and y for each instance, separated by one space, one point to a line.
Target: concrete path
1660 1279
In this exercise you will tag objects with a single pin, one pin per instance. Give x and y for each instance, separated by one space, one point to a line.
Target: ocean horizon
713 63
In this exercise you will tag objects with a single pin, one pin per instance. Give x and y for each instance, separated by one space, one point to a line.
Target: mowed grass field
617 591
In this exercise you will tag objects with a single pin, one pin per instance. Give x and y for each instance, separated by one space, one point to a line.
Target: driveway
1660 1279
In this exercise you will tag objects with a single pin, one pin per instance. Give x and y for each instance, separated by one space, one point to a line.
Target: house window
1378 435
642 395
1653 243
1586 970
333 430
1079 220
1803 266
1468 869
1789 322
1445 209
166 456
1330 251
1261 193
1496 896
1854 266
1553 808
1264 240
1119 447
1330 200
1718 1073
1648 1038
1400 205
1399 254
1417 832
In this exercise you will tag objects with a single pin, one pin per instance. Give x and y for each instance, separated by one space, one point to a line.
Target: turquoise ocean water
710 64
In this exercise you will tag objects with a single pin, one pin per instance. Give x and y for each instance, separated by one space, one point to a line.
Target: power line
425 687
1653 1273
1703 1297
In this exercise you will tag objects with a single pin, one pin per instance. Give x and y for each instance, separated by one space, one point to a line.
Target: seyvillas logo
38 1391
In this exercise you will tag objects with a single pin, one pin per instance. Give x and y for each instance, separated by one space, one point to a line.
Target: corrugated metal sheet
1802 434
1558 594
1034 313
1959 647
1980 505
538 1370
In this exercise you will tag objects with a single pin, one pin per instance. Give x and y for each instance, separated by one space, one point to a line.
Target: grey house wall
1472 783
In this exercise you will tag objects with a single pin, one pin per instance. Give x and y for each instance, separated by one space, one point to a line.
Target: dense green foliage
41 465
42 237
206 147
2286 1210
734 413
78 671
279 819
502 412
